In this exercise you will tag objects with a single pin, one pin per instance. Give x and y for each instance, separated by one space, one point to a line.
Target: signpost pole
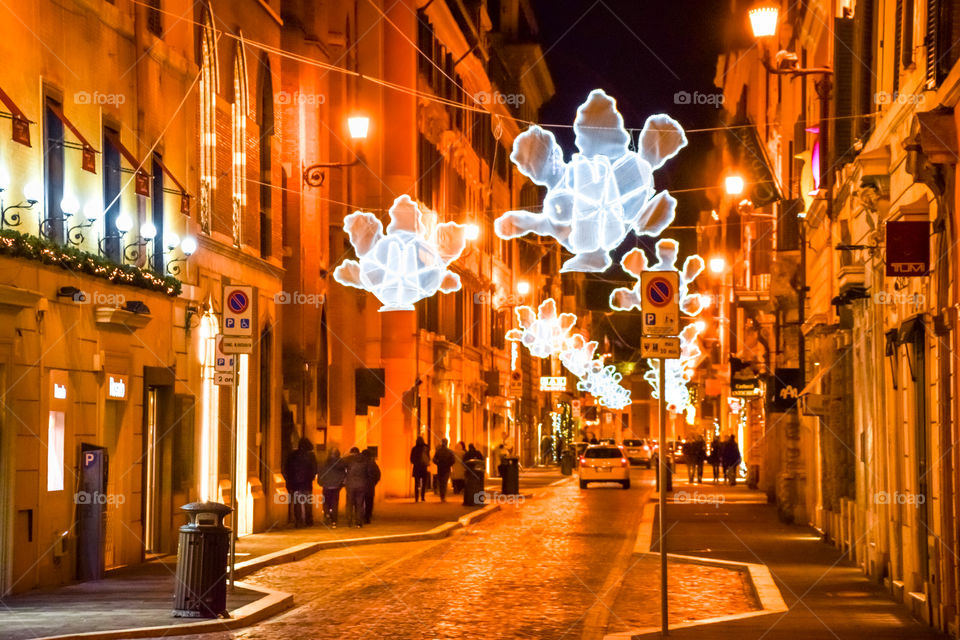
662 471
234 502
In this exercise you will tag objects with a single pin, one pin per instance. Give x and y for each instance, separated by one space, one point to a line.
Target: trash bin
566 462
510 476
753 477
473 483
201 585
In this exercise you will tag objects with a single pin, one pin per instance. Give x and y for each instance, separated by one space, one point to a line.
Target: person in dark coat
444 459
373 477
330 478
714 458
356 479
420 459
731 459
473 454
299 471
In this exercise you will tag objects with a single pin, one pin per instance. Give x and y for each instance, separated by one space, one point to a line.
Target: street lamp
188 246
359 127
763 19
471 231
733 185
523 287
718 265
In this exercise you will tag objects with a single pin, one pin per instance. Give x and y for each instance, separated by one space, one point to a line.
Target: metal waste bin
510 476
473 483
201 585
567 459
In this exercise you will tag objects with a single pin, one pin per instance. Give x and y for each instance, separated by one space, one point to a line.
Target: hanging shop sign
553 383
785 390
117 386
908 248
744 381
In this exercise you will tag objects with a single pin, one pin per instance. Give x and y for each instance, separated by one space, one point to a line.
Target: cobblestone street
537 570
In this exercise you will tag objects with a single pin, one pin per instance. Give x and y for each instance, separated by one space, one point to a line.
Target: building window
154 18
156 196
51 227
208 115
210 410
239 143
111 196
55 449
265 115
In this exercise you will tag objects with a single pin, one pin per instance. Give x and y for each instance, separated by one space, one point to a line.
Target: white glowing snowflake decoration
604 192
678 372
404 265
635 262
543 332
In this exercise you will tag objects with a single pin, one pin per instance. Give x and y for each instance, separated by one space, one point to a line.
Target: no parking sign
660 305
237 311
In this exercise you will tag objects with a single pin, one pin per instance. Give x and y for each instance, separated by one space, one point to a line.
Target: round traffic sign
660 292
238 301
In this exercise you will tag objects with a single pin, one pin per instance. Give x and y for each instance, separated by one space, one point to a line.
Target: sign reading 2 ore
660 306
237 311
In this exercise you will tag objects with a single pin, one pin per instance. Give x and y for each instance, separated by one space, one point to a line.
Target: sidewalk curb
301 551
761 582
271 603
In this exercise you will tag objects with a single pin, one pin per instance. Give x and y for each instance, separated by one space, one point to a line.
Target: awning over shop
747 148
141 179
89 159
21 124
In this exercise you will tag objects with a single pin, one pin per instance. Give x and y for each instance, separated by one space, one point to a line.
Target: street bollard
510 476
200 590
566 462
473 483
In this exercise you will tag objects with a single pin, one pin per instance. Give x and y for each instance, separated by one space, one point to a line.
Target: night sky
642 53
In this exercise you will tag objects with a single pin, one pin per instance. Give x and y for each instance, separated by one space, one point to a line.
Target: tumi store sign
908 248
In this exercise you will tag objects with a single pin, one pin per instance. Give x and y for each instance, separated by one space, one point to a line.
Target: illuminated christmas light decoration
405 264
635 262
678 372
604 192
543 332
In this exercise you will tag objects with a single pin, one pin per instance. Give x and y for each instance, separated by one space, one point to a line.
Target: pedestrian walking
498 454
445 460
459 470
356 480
298 473
473 454
330 478
700 456
373 477
731 460
715 458
420 459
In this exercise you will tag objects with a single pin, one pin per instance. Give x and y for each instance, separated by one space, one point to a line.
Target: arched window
208 112
240 102
265 122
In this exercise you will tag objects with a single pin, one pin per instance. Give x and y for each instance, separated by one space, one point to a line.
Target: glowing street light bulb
148 231
718 265
471 232
69 204
124 222
31 192
359 126
523 287
763 19
171 240
91 210
700 325
188 245
733 185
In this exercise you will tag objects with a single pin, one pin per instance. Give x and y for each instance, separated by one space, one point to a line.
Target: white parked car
604 463
638 452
